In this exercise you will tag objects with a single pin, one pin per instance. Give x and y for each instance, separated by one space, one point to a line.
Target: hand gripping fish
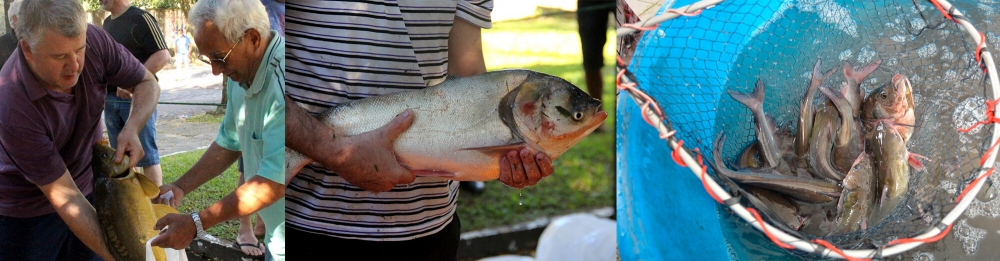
462 126
124 210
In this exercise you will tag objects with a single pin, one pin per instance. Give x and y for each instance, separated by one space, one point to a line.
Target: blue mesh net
688 64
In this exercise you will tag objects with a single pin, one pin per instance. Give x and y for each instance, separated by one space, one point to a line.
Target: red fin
914 160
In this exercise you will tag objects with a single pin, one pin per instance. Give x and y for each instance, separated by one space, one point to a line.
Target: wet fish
776 206
889 164
893 101
749 157
822 144
851 88
122 199
462 126
806 189
806 111
765 126
856 203
821 156
848 142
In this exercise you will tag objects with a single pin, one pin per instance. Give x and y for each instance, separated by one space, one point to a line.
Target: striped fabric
157 35
339 51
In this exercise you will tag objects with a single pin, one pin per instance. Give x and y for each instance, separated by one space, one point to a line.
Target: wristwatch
197 223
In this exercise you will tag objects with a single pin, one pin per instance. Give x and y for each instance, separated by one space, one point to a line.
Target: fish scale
459 127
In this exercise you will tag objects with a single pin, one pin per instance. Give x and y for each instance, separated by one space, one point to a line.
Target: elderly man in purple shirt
51 100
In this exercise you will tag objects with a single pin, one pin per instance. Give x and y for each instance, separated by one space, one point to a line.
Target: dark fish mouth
121 175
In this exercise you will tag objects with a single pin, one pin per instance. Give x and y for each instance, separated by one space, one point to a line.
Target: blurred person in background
8 42
592 23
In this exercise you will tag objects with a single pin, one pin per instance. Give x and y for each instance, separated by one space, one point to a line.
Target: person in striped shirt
339 52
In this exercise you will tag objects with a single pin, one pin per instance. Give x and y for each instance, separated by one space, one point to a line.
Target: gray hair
36 16
12 11
233 17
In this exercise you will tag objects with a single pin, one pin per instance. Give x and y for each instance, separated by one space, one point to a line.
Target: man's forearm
211 164
79 215
145 95
306 134
156 61
255 194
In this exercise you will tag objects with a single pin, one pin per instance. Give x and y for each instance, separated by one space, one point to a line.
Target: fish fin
160 210
148 186
861 73
500 149
914 160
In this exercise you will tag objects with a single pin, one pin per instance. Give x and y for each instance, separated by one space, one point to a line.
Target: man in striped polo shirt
346 51
235 38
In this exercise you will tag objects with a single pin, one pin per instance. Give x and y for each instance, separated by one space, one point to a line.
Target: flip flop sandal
259 245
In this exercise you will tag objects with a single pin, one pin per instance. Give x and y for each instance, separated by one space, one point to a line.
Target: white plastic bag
578 237
172 254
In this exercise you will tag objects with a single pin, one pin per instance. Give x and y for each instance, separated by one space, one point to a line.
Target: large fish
124 210
462 126
765 126
889 164
858 199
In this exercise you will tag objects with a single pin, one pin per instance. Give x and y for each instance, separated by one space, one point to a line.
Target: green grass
584 176
208 117
214 190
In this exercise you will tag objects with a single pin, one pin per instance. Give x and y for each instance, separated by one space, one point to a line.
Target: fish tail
753 102
758 91
860 74
818 76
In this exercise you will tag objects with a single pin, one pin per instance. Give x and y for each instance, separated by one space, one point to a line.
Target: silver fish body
462 126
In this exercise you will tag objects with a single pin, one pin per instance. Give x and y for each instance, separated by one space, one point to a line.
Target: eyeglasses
222 61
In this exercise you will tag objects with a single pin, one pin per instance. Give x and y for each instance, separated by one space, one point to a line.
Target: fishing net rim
723 197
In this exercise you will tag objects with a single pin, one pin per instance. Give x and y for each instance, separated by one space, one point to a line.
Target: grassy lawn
584 176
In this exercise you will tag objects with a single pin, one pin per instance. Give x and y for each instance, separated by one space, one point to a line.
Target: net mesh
688 64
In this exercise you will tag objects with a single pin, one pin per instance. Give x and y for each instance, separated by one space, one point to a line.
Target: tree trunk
222 109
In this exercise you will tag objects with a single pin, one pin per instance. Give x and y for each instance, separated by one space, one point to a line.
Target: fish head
104 164
891 101
554 114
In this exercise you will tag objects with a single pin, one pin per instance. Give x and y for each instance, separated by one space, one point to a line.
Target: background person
138 32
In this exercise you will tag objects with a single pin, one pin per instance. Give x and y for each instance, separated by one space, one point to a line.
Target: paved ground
193 85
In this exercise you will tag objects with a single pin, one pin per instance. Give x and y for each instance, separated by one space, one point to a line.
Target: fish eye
578 116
